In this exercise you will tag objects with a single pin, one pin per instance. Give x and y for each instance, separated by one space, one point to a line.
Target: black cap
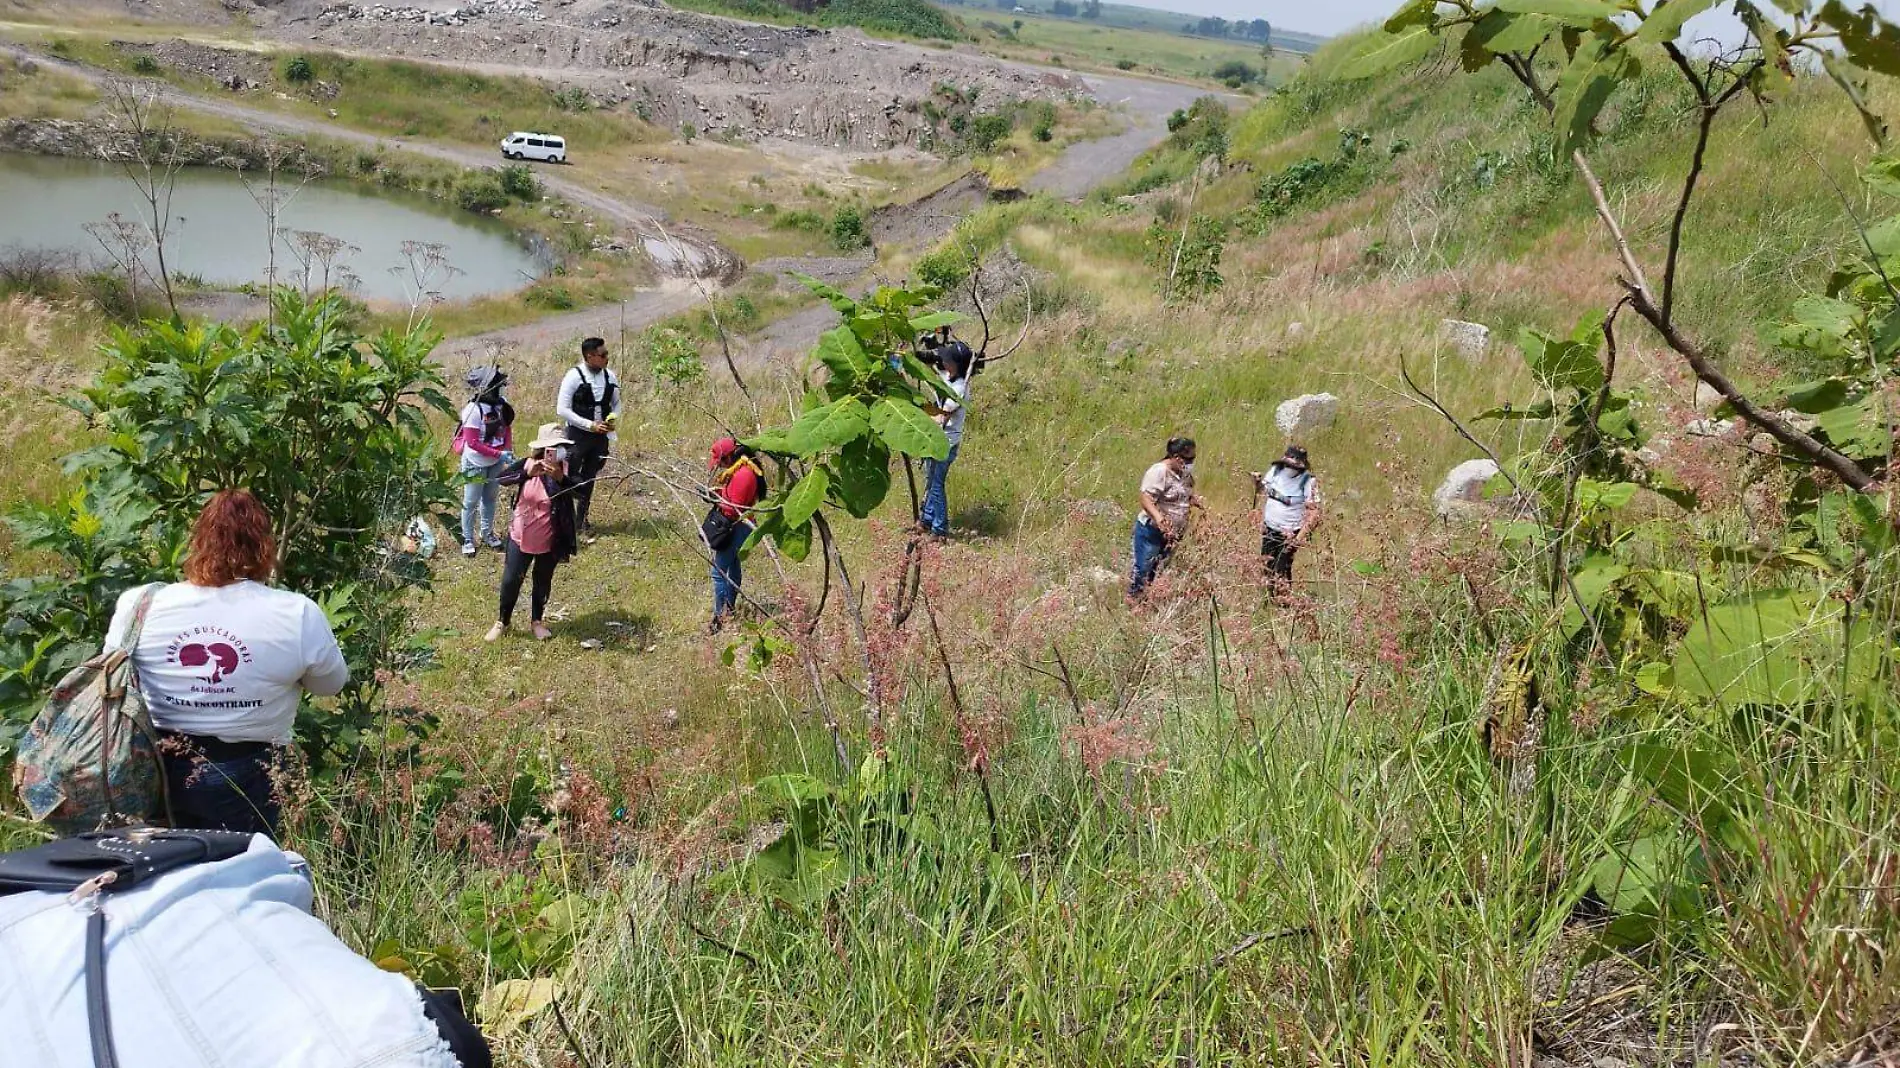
1296 454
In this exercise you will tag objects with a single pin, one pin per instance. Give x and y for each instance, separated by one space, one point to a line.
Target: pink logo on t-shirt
210 647
222 658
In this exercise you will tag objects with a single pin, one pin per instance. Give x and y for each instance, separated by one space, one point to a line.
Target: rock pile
455 16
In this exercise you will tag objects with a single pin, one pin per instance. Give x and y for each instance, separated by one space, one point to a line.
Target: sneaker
468 548
589 539
542 633
495 542
495 632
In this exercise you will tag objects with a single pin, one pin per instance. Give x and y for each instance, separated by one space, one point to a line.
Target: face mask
1188 468
559 456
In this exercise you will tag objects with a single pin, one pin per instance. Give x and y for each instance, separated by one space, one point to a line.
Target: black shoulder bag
107 862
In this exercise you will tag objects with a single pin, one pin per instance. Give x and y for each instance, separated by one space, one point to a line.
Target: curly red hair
231 541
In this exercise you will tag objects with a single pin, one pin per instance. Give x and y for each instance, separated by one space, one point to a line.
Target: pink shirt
533 527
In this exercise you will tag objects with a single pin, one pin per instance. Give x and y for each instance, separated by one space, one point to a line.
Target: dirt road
1085 165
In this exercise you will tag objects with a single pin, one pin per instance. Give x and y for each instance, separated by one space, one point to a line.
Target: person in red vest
738 483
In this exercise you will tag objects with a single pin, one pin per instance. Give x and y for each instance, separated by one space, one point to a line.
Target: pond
218 231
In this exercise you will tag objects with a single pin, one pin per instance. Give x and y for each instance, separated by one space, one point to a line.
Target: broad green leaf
1856 429
1523 34
935 320
845 305
906 429
1383 52
1812 398
782 441
1774 648
1561 363
1877 534
842 354
1592 578
1475 51
1585 85
1884 237
802 501
1414 13
1867 38
1704 786
771 525
1777 70
843 420
862 476
1569 12
1592 494
1543 409
1654 678
1664 24
795 543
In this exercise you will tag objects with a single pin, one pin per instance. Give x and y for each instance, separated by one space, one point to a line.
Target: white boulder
1470 340
1707 398
1303 416
1463 487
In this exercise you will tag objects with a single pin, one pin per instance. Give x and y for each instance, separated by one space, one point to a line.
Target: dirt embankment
676 68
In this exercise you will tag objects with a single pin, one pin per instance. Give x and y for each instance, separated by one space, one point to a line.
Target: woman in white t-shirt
223 661
484 437
1289 514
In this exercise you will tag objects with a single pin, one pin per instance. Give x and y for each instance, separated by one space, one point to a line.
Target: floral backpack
90 759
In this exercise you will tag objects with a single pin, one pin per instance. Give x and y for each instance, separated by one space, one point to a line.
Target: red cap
722 451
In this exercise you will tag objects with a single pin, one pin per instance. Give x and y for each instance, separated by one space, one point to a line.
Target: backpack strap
135 629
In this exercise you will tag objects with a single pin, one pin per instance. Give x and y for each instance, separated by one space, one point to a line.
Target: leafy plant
481 191
145 64
848 232
830 830
870 405
673 356
1187 260
298 71
329 428
986 132
518 181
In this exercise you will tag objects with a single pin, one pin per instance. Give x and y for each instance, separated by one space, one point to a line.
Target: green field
1090 45
1129 17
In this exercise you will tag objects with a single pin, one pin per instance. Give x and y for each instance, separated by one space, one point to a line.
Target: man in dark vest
589 403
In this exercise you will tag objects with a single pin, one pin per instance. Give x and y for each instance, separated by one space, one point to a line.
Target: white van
545 147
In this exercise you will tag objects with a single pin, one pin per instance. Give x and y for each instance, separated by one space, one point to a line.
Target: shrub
688 131
367 162
945 268
518 181
673 356
1043 121
1187 260
35 271
480 191
912 18
1235 73
847 228
801 219
986 132
298 71
1125 64
1201 129
548 297
145 64
573 98
183 412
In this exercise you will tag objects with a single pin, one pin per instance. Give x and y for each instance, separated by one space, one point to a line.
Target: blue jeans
479 494
936 509
1151 551
222 795
727 573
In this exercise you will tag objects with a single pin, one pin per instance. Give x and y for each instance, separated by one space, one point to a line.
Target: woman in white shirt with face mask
224 660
